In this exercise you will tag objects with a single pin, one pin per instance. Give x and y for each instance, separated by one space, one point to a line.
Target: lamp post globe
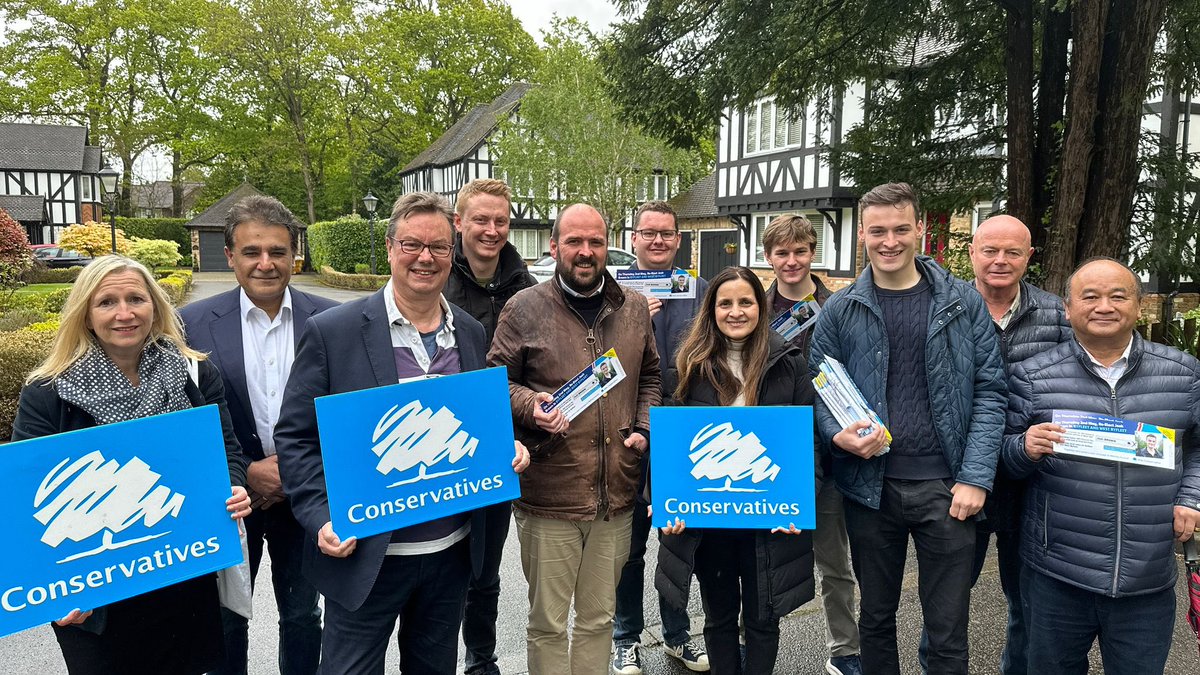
108 182
371 202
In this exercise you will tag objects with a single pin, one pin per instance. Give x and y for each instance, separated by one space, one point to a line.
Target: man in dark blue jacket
1097 535
920 346
250 334
417 574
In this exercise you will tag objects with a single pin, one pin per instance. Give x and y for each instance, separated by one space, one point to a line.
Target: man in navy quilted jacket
1098 536
921 347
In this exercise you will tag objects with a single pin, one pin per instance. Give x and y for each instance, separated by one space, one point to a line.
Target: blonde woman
120 355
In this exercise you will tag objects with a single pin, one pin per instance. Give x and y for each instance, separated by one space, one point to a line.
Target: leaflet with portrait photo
588 386
797 318
1109 438
673 284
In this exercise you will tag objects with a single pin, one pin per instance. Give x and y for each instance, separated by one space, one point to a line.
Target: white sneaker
691 653
626 659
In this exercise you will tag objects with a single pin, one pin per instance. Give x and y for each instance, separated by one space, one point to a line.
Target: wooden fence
1181 335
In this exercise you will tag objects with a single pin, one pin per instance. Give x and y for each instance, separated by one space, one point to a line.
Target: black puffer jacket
1038 325
485 302
1105 526
784 561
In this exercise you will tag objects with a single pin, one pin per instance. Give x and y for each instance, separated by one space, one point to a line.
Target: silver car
543 268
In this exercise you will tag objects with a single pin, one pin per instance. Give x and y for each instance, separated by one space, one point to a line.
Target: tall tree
569 141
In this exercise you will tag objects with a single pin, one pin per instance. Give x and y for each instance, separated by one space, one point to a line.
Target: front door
718 250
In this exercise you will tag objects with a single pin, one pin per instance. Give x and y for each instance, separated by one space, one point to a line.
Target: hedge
177 285
353 282
171 229
344 243
20 351
40 274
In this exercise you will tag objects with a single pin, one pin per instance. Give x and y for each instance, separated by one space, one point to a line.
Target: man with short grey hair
416 575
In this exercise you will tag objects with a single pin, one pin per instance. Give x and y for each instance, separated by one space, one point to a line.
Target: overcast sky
535 14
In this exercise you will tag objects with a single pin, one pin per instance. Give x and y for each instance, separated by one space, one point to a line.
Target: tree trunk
1018 58
176 185
1124 77
1089 21
1052 93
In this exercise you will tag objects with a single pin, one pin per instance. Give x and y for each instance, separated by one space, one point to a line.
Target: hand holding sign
1040 439
551 421
239 504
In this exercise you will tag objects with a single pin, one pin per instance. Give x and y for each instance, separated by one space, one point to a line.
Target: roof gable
42 147
461 139
214 216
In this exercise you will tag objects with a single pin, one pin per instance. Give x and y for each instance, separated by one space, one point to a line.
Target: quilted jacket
963 366
1105 526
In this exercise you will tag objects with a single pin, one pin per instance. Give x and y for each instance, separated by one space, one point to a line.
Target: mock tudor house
48 178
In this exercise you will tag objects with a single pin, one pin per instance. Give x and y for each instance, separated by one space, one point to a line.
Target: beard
581 280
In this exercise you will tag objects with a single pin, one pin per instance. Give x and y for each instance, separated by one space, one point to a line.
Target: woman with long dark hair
731 357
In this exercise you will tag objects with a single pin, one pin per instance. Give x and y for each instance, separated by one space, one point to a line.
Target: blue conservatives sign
103 514
733 467
411 452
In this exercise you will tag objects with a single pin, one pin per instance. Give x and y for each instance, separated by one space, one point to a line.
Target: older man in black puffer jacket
1098 535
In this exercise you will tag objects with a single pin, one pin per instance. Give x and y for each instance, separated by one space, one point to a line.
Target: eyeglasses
413 247
650 235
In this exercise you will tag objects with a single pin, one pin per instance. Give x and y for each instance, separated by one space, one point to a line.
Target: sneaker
627 660
844 665
691 653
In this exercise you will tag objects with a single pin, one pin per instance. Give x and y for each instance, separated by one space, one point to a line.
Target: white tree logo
417 436
93 495
719 452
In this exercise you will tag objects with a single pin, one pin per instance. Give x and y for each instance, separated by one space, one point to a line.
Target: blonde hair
74 339
481 186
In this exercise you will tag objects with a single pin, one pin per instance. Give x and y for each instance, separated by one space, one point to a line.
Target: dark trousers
1135 632
945 553
727 570
1008 560
425 594
295 596
630 619
483 595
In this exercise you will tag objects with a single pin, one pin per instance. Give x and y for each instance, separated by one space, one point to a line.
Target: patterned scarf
98 387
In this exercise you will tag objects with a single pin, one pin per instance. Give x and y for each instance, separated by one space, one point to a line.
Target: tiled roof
214 216
42 147
157 195
92 156
24 207
467 133
700 199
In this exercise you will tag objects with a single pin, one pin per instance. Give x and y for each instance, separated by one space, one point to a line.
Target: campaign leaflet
673 284
796 319
1110 438
589 385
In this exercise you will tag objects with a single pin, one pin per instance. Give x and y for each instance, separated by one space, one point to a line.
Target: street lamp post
371 202
108 182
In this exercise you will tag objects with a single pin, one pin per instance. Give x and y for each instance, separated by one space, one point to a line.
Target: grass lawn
37 289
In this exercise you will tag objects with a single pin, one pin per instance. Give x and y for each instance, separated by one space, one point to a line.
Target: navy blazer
214 325
348 348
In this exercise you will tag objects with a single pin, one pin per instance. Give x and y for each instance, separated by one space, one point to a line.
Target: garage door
212 252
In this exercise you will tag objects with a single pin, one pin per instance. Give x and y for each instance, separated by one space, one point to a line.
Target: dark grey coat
784 561
1104 526
485 302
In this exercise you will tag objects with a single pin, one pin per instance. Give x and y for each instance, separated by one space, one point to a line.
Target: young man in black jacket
486 272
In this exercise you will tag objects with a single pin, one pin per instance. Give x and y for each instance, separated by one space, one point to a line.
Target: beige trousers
565 559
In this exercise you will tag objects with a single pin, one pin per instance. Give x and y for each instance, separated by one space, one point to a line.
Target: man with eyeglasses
486 272
418 574
655 242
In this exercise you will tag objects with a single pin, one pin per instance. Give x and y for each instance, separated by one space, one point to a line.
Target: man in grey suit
416 575
251 334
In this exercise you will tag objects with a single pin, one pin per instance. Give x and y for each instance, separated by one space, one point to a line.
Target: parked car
543 268
56 256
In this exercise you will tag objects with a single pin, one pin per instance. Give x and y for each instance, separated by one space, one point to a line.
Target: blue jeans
630 618
1135 632
1008 560
296 598
483 595
425 594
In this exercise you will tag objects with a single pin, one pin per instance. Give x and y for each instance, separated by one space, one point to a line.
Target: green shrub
171 229
31 301
54 300
343 243
362 268
154 253
353 282
20 318
20 351
177 285
40 274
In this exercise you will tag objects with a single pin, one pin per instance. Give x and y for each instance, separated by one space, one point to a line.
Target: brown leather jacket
544 343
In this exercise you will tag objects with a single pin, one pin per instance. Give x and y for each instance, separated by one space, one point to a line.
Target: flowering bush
15 255
93 239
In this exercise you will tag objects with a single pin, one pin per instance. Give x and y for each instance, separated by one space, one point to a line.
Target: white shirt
1111 374
1011 312
268 349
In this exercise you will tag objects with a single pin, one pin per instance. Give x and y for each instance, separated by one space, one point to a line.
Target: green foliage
20 351
15 256
154 252
54 300
171 229
40 274
568 141
93 239
353 282
177 286
344 243
20 318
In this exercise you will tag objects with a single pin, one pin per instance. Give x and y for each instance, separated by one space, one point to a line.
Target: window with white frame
770 127
530 243
85 188
758 225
